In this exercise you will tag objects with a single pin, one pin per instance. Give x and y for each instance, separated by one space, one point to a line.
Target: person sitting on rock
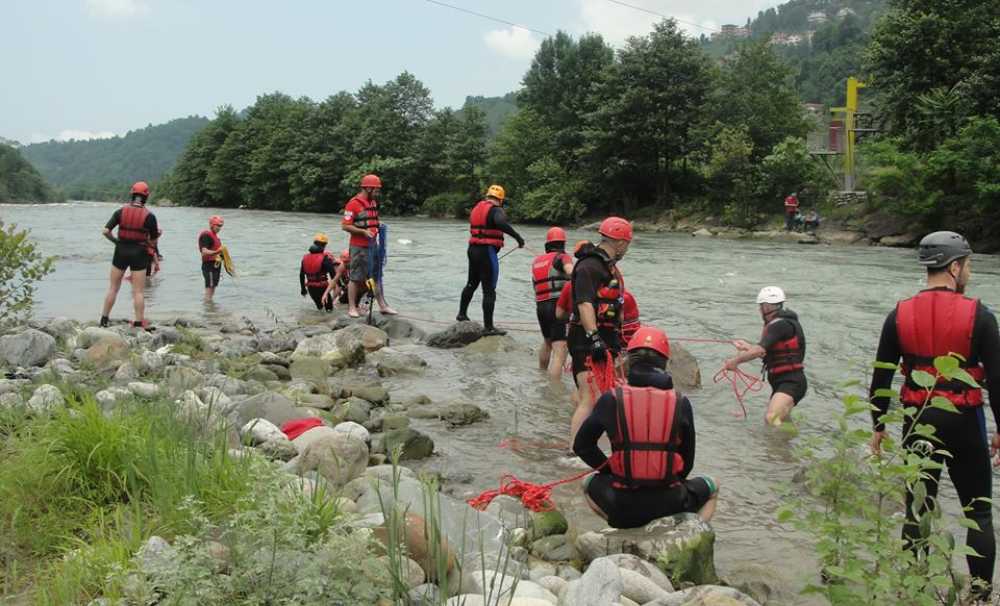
812 221
651 428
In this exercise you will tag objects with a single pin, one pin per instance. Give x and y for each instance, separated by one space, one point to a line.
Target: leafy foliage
496 109
21 266
20 182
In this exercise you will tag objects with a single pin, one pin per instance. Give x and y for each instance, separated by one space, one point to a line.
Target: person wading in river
137 228
651 428
596 320
783 347
940 321
487 225
361 221
316 271
549 273
210 247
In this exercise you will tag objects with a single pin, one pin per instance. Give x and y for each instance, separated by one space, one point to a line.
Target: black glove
304 292
520 242
598 349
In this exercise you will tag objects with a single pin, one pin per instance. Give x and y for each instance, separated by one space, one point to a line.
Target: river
691 287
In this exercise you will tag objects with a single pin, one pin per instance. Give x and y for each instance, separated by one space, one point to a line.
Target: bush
554 197
896 178
449 205
21 266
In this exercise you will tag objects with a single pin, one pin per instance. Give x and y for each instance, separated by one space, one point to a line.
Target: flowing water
691 287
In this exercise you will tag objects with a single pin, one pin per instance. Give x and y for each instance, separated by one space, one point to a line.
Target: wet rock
684 368
107 354
706 595
683 546
415 445
494 344
361 337
93 334
399 328
45 399
456 414
313 370
458 334
144 390
29 348
337 457
276 408
263 373
390 362
354 429
258 431
547 523
600 585
554 548
703 233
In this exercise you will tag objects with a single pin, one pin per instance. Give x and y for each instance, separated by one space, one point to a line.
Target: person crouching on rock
317 269
651 428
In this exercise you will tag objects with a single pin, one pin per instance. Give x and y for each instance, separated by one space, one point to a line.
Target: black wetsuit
794 382
484 267
589 275
329 269
962 434
631 508
130 254
210 270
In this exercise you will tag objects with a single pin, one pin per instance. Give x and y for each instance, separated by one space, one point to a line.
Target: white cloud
512 42
694 17
71 133
615 22
116 9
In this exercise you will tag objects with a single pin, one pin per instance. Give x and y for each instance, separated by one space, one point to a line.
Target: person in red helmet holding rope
651 428
783 347
211 249
361 221
596 320
550 272
137 230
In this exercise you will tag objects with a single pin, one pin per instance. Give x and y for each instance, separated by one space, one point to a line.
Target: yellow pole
849 110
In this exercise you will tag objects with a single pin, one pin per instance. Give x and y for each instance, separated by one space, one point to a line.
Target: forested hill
496 109
20 182
102 168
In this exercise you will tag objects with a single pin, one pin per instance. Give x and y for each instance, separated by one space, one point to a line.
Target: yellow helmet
321 238
496 191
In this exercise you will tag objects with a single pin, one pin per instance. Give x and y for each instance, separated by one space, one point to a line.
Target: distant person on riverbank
210 247
136 229
549 274
651 428
791 210
812 221
596 321
361 221
941 321
487 225
783 347
316 271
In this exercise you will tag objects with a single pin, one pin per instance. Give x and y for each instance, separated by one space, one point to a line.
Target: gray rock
706 595
684 368
553 583
60 328
228 385
150 362
156 554
539 569
415 445
629 562
324 346
45 399
600 585
458 334
180 379
62 367
144 390
276 408
310 369
703 232
399 328
279 449
546 523
276 342
374 393
314 400
456 414
413 574
238 346
682 545
107 397
509 510
492 345
427 594
390 362
264 373
554 548
639 588
258 431
280 370
337 457
10 399
29 348
214 397
354 409
354 429
360 339
93 334
567 572
408 492
126 373
487 581
166 335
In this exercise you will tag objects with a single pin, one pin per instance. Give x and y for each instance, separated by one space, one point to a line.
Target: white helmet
771 294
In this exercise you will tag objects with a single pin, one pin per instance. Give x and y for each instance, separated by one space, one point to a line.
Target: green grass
191 344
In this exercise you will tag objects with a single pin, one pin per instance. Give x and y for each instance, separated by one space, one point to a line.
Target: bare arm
110 238
588 317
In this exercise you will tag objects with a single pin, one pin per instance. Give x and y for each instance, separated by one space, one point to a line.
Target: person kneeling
651 428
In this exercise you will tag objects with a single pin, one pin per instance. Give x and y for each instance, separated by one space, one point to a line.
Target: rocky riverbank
307 404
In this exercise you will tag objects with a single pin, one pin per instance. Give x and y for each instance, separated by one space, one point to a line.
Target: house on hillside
732 31
817 18
786 39
846 11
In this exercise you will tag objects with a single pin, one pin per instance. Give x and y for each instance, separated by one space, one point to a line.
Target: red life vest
216 245
788 355
645 447
791 205
368 217
131 226
936 323
630 317
547 279
610 294
477 226
312 266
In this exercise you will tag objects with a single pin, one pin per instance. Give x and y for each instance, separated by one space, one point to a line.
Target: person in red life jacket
137 227
336 291
940 321
564 304
549 274
596 320
361 221
651 428
316 271
210 247
630 316
487 225
783 348
791 210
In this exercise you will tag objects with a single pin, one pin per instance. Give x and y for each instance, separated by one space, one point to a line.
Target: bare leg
113 288
779 408
352 298
558 360
708 509
584 404
544 354
209 292
139 295
382 305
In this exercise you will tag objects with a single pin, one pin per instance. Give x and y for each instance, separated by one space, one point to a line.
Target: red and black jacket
547 278
368 217
312 267
132 225
216 245
645 446
610 294
480 233
788 354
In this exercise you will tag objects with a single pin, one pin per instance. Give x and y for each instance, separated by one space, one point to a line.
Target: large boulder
455 414
360 337
319 346
389 362
180 379
458 334
63 328
310 369
415 445
398 328
600 585
238 346
336 456
276 408
627 562
29 348
107 354
683 546
45 399
150 362
493 344
277 341
258 431
93 334
684 369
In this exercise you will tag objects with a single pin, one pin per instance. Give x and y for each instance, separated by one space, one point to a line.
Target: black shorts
212 273
579 345
130 256
632 508
792 383
552 329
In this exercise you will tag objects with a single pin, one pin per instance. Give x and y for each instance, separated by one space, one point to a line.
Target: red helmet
555 234
140 188
648 337
371 181
616 228
215 220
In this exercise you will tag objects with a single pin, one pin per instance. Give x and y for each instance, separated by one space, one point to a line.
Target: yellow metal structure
850 112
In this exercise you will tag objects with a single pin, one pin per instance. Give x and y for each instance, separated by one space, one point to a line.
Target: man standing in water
595 324
549 273
487 225
939 321
361 222
783 347
210 247
137 228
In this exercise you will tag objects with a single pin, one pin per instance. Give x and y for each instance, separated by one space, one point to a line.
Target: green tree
188 182
730 173
21 266
20 182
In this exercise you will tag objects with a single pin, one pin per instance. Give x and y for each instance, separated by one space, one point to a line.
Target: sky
98 68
